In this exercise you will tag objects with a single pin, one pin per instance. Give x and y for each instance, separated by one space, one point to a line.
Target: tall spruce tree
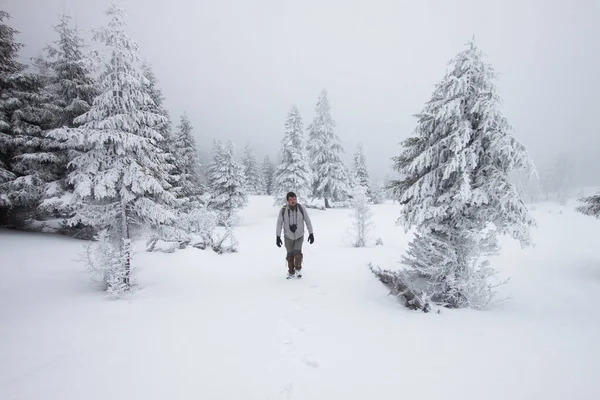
330 177
361 173
69 74
27 162
456 188
557 179
168 143
187 163
254 177
9 67
69 81
268 170
293 174
226 183
121 175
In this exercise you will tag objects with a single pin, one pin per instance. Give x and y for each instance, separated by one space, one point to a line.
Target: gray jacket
299 217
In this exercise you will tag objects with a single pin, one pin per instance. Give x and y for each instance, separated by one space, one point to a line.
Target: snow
208 326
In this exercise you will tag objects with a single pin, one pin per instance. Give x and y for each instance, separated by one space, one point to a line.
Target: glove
311 238
278 241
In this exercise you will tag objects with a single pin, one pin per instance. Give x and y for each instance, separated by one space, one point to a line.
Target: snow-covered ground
204 326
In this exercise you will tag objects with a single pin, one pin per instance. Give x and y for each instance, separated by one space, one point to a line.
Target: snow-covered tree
361 173
456 188
293 174
254 178
330 177
268 170
187 163
590 206
362 224
27 161
226 183
557 179
69 74
120 174
527 185
9 68
378 192
69 81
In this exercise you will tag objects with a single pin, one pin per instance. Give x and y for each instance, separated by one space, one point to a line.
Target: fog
236 67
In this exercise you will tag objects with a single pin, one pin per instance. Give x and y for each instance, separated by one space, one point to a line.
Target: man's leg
298 253
289 247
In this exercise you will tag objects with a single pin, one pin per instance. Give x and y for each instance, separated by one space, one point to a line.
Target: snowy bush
106 261
361 218
224 241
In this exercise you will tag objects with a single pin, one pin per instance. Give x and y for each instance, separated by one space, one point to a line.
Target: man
292 218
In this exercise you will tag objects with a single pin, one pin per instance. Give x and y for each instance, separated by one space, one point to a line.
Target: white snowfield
208 326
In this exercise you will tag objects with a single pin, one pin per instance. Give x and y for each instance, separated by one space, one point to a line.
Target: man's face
292 201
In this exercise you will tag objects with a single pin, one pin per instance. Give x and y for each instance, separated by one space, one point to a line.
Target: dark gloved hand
278 242
311 238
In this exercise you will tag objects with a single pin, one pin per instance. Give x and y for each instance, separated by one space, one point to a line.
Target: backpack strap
301 210
299 207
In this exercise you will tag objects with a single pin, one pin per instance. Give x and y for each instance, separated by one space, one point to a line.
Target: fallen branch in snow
399 286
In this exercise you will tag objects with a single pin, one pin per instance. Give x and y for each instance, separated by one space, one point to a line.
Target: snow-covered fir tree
9 68
590 205
456 188
362 224
27 159
361 173
69 73
70 83
527 185
187 163
168 143
268 170
378 193
226 183
254 178
150 85
293 174
557 179
330 176
120 175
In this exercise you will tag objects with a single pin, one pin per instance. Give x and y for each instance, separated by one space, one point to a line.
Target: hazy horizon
236 68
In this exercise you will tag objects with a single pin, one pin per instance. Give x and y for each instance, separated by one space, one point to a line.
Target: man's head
291 198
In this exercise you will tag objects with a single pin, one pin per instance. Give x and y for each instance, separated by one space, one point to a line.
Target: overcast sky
237 66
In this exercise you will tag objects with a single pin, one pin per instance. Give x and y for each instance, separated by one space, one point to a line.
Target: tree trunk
126 248
327 203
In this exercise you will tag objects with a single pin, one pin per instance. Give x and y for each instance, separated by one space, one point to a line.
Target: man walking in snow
292 218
